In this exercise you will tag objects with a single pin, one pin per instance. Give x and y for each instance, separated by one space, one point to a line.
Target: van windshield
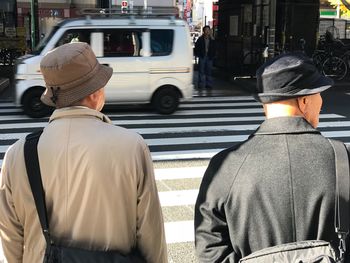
43 42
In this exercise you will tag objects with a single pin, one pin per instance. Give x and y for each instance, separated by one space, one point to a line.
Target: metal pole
110 6
16 15
34 23
145 4
272 27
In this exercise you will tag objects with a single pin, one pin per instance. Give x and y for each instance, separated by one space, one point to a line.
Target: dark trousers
205 66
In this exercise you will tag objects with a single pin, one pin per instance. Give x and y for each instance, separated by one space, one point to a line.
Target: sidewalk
226 85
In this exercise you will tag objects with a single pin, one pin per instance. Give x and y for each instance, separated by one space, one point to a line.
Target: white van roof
120 21
116 17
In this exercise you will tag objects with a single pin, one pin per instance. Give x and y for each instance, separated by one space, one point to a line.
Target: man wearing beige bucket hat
98 178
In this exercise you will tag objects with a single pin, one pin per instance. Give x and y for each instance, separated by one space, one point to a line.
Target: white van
151 57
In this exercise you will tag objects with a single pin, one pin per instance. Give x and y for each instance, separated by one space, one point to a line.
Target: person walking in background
205 51
98 178
279 185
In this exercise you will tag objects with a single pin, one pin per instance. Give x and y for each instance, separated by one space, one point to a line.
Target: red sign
187 10
124 3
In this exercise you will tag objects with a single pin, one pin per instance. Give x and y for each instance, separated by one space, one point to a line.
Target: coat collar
78 111
282 125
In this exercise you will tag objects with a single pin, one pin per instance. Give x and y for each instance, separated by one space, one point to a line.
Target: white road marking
179 173
180 231
178 198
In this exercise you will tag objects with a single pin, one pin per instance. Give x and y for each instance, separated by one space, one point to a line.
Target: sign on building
10 31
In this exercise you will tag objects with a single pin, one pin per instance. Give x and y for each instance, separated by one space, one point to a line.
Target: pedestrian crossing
198 130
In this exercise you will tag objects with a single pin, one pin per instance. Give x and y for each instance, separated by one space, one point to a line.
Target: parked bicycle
333 57
334 67
253 59
8 56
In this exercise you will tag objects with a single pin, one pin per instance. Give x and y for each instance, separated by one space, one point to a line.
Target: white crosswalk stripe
198 130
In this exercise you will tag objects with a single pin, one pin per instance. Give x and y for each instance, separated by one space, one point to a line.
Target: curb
246 84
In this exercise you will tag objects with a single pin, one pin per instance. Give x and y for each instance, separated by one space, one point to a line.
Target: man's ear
302 103
89 101
94 96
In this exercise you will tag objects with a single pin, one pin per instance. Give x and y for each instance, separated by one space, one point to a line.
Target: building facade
8 24
247 27
15 17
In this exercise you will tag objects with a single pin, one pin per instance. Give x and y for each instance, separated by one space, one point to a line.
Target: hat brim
321 84
68 97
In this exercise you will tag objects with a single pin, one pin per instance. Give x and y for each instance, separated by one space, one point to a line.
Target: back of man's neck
281 110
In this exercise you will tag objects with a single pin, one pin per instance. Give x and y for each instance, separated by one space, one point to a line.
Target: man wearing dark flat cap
98 178
278 186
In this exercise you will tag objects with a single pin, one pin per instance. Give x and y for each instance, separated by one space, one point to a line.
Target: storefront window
8 18
12 42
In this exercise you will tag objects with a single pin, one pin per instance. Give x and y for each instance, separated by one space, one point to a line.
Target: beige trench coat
100 190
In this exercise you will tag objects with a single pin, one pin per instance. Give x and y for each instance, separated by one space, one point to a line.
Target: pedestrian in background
279 185
98 178
205 51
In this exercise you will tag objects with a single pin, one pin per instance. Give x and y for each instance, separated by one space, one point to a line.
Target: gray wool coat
276 187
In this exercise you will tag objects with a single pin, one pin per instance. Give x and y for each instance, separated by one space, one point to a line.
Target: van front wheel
166 100
32 104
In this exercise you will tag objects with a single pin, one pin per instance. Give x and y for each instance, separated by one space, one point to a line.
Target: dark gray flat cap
289 76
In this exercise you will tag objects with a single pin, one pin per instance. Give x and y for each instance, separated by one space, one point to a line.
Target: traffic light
124 7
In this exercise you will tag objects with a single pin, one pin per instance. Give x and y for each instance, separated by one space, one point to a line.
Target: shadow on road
336 100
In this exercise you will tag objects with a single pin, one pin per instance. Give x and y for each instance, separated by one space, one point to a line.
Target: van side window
122 42
75 35
162 42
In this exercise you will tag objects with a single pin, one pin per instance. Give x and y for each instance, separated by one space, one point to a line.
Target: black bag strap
342 211
34 176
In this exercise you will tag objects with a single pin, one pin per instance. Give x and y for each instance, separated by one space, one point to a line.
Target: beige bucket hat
72 72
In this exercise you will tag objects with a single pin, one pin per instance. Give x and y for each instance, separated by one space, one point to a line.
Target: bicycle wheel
251 57
335 68
346 58
318 58
250 63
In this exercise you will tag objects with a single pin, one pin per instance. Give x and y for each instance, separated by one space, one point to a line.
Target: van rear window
162 41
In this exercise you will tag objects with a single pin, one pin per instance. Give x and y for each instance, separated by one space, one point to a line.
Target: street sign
10 31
